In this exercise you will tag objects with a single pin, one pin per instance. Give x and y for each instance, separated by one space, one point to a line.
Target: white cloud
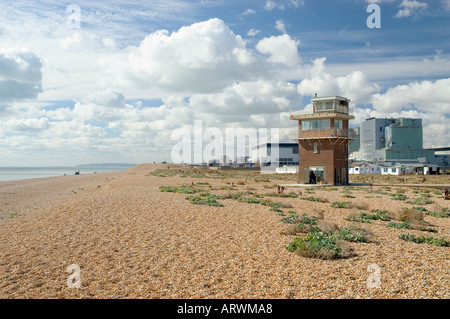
30 125
270 5
318 81
253 32
446 4
296 3
202 57
109 98
355 85
282 50
408 7
280 26
248 12
20 75
427 96
70 42
281 5
247 98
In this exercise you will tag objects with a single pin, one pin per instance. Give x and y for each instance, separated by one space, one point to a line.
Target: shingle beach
131 240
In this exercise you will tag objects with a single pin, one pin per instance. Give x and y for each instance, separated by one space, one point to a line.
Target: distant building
354 144
399 140
395 169
364 168
323 140
275 154
373 139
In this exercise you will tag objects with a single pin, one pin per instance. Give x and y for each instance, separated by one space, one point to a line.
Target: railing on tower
331 133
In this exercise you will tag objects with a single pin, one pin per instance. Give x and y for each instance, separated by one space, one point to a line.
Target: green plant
404 225
184 189
362 217
442 213
422 239
306 224
420 201
212 196
324 244
315 245
341 204
358 217
249 200
423 209
314 199
399 196
310 198
165 172
275 207
12 215
205 199
290 195
381 214
352 233
292 218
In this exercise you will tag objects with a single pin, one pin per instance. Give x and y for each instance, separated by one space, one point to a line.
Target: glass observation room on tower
331 105
316 125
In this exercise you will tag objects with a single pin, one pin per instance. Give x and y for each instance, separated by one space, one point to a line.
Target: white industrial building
275 154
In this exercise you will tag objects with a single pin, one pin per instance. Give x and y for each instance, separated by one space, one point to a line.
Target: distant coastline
106 165
20 173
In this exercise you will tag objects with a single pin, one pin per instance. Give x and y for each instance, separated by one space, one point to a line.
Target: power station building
394 140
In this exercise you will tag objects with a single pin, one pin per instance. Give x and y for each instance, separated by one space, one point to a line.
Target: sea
20 173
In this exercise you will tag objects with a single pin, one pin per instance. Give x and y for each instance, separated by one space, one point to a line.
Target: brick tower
323 141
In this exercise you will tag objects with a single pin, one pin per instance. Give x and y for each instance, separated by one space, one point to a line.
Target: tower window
316 125
316 148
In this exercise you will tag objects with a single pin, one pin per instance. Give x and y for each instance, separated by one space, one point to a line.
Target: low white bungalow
364 168
396 169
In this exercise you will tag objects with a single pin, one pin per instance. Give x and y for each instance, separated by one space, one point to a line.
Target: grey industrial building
394 140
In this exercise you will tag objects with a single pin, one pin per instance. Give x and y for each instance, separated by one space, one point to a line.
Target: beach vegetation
420 201
249 200
440 212
342 204
352 234
206 199
315 245
399 196
404 225
315 199
184 189
291 218
427 240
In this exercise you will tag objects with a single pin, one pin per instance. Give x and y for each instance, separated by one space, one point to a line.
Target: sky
113 81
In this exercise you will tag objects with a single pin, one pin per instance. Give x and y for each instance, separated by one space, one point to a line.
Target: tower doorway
315 175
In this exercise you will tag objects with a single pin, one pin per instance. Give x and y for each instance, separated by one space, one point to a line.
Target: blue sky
110 81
